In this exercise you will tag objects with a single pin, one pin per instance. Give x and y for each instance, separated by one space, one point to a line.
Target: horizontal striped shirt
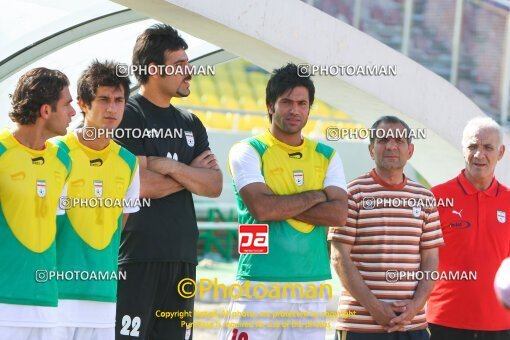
387 226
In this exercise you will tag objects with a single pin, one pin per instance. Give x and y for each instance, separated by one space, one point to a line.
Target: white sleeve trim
502 282
133 193
245 165
62 198
335 175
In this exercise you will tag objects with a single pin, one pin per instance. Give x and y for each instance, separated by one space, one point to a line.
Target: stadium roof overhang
57 40
271 33
71 35
261 33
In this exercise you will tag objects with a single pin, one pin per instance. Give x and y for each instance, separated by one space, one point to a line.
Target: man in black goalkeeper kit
159 244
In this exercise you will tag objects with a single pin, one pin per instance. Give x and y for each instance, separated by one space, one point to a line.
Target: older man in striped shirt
387 250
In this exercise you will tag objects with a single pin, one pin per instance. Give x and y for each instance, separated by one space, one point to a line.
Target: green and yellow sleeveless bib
31 182
88 237
297 250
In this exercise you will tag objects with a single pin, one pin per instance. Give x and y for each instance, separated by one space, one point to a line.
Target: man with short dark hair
33 173
381 240
105 180
297 187
477 236
159 243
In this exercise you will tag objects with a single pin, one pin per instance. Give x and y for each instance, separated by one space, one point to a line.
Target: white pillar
457 31
505 79
407 25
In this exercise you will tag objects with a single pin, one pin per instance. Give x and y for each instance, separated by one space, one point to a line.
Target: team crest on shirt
41 188
501 216
299 177
189 138
98 188
416 211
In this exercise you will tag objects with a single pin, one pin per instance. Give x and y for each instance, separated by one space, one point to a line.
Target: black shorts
421 334
146 298
438 332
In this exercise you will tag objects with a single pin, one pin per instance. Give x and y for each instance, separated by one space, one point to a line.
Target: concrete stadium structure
271 33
